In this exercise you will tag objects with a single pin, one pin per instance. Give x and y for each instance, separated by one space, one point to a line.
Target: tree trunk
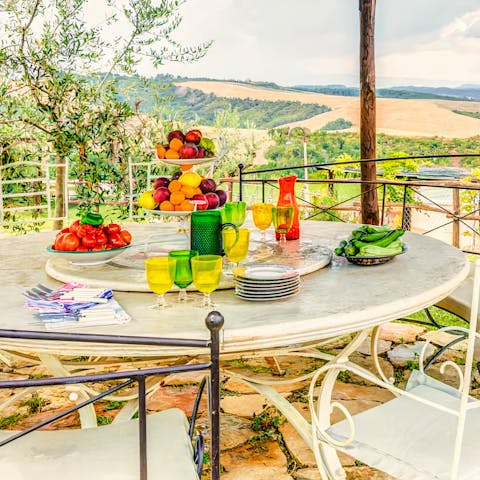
369 197
59 194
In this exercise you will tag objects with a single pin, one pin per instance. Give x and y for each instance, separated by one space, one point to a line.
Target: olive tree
51 54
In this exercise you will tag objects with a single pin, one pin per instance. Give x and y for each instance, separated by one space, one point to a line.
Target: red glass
287 198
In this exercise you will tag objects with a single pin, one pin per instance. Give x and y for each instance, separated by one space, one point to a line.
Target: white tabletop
331 301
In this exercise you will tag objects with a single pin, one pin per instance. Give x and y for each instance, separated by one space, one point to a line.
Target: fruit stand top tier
186 150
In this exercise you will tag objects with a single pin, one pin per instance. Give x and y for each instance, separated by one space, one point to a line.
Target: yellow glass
206 272
160 273
235 243
262 217
282 221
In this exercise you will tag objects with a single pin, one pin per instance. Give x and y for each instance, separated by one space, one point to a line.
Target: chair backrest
26 193
214 322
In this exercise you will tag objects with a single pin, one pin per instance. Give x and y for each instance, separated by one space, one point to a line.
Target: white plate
185 161
263 295
266 284
266 272
264 299
265 291
88 258
170 213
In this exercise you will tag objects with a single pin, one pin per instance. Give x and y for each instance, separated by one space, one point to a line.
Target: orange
185 167
198 191
188 191
167 206
171 154
175 144
177 198
187 206
160 149
174 186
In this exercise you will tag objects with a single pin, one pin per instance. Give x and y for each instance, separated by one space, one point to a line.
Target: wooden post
456 212
367 111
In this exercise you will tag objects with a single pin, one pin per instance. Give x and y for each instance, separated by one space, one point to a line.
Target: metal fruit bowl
368 261
87 258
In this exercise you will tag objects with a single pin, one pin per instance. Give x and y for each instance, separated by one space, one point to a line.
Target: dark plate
368 261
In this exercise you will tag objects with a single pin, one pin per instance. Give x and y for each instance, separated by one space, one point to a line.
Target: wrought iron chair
119 450
429 431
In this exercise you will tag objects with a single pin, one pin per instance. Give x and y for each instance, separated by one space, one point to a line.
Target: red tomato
65 230
101 239
112 228
108 246
84 230
89 241
127 236
81 248
66 242
116 240
74 227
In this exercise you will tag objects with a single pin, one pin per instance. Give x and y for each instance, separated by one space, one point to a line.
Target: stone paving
256 441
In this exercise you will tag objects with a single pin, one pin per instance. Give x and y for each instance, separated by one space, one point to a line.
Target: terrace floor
257 443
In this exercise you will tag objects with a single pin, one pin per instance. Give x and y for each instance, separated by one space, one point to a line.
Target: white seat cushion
412 441
109 452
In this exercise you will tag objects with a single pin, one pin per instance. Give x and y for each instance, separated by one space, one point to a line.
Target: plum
161 182
161 194
176 134
193 136
177 175
208 185
222 196
213 200
202 201
188 150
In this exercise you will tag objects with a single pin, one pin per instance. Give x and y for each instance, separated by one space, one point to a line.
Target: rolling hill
403 117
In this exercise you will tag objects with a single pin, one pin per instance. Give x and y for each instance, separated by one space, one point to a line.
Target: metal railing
439 208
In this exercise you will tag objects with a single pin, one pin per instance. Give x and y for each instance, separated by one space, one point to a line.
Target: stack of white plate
265 282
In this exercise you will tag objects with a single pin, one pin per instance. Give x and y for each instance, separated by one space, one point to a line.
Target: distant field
423 118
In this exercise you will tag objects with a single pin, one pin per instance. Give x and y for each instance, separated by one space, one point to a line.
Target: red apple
161 182
193 136
161 194
213 200
176 134
202 201
222 196
189 150
208 185
201 152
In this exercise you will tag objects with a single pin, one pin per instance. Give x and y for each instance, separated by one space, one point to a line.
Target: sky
421 42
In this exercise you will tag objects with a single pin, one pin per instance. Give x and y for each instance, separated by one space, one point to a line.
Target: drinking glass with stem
235 244
262 217
160 273
183 271
206 272
282 221
234 212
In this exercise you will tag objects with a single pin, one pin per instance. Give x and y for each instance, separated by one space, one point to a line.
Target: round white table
332 301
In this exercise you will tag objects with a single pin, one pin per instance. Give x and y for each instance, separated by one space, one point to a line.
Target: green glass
183 271
234 213
206 232
282 221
